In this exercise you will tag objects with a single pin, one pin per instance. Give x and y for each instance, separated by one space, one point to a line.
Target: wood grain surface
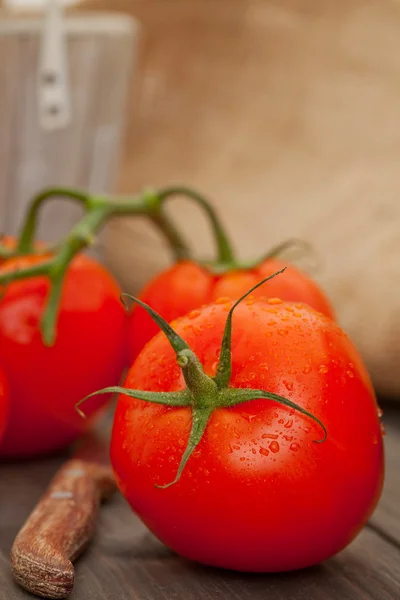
125 562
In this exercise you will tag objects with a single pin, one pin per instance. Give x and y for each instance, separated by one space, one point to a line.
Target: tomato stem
97 210
203 394
25 245
225 253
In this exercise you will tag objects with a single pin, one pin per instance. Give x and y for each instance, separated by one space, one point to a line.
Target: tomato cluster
93 331
247 432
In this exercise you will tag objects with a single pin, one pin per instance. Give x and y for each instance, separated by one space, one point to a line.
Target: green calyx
203 394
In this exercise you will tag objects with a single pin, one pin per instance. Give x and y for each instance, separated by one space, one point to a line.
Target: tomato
46 382
187 285
4 403
257 493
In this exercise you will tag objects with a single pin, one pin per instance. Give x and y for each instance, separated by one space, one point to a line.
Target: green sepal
200 418
224 369
174 339
234 396
179 398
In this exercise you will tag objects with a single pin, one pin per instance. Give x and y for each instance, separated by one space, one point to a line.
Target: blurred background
284 113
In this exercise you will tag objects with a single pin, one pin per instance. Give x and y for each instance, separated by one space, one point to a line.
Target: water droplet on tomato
264 367
289 308
291 412
250 301
193 314
383 430
288 438
350 374
282 332
253 451
281 421
297 314
298 305
230 449
306 430
270 436
264 451
307 369
248 417
274 301
274 447
242 459
380 412
214 366
295 446
288 424
223 300
323 369
374 440
271 322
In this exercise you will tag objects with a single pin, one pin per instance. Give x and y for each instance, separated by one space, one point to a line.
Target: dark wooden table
125 562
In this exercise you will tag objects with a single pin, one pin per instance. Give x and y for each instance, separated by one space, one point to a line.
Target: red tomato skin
187 286
258 494
4 403
46 382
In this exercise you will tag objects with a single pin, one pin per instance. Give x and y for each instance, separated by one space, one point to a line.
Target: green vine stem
225 253
203 394
98 210
28 232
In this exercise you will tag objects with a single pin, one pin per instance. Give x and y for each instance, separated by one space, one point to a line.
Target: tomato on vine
247 436
189 284
62 327
46 381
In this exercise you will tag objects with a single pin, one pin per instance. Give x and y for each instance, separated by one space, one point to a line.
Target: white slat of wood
84 154
9 77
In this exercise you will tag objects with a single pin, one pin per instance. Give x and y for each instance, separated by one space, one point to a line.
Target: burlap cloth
287 114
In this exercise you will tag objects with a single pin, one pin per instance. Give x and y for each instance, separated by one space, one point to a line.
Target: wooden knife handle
59 528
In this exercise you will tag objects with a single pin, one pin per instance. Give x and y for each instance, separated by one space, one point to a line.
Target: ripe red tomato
46 382
187 285
257 494
4 403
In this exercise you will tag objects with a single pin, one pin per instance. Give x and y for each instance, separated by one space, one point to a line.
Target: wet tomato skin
45 383
258 494
187 286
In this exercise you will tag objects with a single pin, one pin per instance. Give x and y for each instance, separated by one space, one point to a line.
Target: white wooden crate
100 53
